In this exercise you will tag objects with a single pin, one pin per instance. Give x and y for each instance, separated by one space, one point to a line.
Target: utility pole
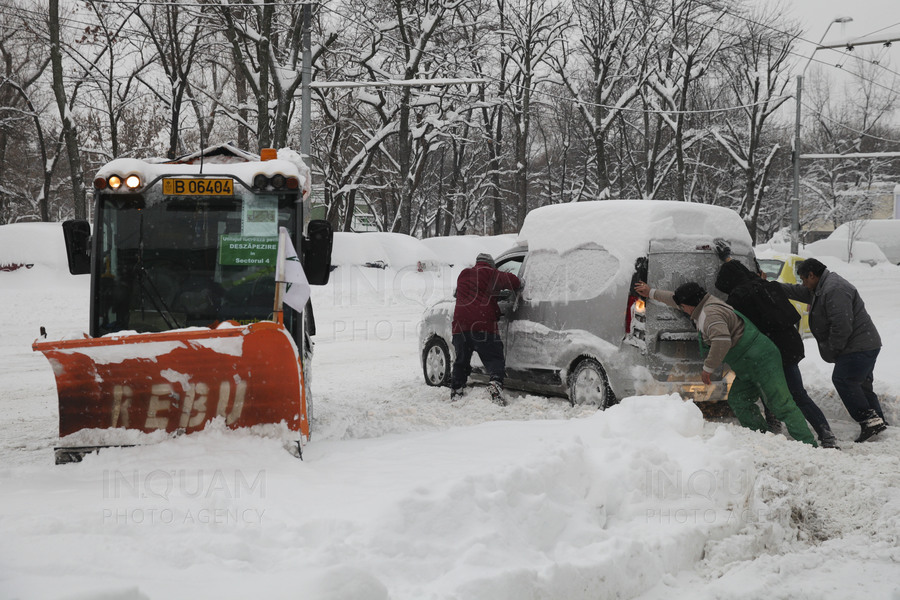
797 155
306 101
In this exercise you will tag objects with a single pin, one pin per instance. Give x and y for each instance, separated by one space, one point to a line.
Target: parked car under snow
577 329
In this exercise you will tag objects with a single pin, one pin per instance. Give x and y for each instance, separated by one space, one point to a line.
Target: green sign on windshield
242 250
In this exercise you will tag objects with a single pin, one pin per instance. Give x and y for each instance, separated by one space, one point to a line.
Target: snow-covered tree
687 38
26 150
755 72
603 70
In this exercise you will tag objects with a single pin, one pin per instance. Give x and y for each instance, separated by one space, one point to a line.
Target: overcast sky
869 16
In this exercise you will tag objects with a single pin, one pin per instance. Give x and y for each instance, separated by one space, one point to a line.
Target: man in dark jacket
766 305
475 325
846 337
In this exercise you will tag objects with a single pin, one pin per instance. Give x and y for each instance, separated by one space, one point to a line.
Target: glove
723 250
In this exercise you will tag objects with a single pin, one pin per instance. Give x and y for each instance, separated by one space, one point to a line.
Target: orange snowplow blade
179 380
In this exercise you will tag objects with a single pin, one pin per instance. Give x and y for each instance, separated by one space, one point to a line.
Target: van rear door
673 351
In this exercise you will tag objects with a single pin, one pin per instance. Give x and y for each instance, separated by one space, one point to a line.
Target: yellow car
783 268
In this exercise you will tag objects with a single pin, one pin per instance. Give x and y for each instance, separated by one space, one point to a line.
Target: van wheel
436 362
588 384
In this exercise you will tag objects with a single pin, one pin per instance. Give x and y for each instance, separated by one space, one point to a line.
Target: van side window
578 274
512 265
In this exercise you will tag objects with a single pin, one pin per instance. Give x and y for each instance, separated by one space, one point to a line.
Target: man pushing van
475 325
727 336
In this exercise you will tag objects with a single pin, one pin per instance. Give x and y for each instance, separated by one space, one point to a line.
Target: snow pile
387 268
38 244
354 249
382 250
842 249
405 251
541 509
885 233
830 250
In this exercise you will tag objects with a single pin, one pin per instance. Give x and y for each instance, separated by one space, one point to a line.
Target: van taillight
634 310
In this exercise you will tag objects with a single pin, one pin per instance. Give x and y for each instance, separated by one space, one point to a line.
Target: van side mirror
78 246
317 251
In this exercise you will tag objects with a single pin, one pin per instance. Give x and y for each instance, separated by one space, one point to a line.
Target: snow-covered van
577 329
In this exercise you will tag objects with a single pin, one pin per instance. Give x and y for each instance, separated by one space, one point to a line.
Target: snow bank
841 249
404 251
885 233
39 244
394 250
829 250
354 249
547 509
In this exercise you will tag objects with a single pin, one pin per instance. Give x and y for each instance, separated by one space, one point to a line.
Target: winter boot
496 389
871 427
827 439
772 424
457 393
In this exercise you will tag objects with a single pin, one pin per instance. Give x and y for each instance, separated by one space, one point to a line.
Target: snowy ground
402 495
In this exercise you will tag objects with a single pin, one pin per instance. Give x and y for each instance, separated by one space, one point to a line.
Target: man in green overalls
727 336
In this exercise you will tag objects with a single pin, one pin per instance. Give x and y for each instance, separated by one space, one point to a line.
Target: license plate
198 187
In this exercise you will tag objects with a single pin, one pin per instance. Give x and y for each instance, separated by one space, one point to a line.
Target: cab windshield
168 262
771 267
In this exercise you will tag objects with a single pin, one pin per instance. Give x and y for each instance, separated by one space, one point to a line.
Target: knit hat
486 258
732 274
690 293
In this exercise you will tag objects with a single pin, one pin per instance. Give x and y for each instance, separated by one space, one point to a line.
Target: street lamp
795 201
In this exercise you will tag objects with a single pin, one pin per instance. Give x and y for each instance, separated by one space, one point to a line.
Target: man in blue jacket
846 337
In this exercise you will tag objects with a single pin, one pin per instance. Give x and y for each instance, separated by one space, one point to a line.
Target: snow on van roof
625 227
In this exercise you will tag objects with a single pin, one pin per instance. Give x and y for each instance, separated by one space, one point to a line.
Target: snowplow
199 306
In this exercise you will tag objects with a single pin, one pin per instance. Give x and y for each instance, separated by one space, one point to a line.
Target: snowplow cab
185 323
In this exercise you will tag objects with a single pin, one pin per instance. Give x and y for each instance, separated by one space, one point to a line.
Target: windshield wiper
146 283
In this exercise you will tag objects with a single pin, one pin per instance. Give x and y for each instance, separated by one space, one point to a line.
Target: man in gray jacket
846 337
